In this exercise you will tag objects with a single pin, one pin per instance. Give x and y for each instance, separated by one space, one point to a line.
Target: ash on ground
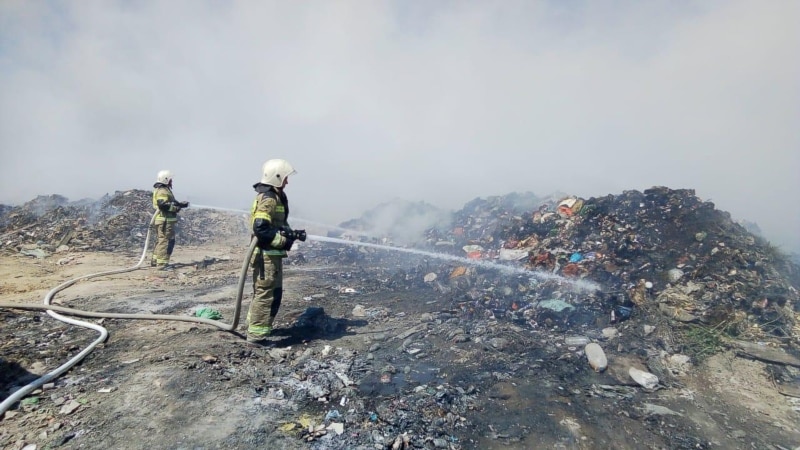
640 320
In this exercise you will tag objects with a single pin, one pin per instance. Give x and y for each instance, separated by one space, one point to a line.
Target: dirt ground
176 385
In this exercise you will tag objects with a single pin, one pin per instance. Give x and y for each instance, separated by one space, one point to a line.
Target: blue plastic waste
623 313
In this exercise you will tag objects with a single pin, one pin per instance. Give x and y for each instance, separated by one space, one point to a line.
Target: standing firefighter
268 217
166 217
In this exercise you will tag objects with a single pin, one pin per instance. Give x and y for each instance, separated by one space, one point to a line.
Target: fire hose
103 332
51 309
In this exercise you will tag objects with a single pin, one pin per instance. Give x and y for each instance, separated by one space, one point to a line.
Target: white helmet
164 177
275 171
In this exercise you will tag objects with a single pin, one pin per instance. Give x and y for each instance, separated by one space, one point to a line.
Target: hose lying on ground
103 333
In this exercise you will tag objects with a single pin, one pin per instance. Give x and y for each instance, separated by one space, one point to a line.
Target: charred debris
53 224
660 255
661 278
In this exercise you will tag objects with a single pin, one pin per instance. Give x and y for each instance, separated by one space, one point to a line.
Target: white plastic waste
644 379
674 275
576 340
596 356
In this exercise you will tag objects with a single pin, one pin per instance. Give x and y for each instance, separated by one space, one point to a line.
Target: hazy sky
373 100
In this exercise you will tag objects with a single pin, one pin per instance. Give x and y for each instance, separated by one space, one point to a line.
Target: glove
183 204
295 235
289 236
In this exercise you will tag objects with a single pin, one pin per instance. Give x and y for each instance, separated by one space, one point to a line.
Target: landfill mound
662 254
556 262
119 222
479 337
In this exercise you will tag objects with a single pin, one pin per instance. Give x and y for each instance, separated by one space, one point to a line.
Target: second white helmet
164 176
275 171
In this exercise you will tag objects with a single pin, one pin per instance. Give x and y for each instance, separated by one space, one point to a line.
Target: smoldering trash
513 315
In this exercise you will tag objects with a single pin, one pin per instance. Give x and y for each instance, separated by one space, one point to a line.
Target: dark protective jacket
268 216
165 204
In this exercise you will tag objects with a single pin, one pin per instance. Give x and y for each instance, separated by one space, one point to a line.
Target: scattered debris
528 289
113 223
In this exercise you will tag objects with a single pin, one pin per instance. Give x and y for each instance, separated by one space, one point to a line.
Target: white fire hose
51 310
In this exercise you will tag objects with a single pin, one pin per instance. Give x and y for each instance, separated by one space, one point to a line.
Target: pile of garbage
596 261
516 290
119 222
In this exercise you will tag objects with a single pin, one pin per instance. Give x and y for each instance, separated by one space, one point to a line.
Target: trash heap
52 224
599 261
641 286
586 306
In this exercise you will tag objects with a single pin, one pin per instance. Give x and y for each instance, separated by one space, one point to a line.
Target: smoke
440 102
43 204
401 221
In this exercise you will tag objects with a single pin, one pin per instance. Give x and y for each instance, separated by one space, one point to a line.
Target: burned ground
382 349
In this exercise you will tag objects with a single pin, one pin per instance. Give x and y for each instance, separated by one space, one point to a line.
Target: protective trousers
267 294
165 242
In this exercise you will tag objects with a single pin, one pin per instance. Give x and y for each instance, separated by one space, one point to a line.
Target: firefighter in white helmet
269 224
167 209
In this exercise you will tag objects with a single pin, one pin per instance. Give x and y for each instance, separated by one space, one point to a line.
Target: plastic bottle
576 341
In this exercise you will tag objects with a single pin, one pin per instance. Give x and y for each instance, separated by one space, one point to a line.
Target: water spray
218 208
103 333
295 219
582 285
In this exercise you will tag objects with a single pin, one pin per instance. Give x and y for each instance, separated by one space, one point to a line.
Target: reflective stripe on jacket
268 206
164 194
